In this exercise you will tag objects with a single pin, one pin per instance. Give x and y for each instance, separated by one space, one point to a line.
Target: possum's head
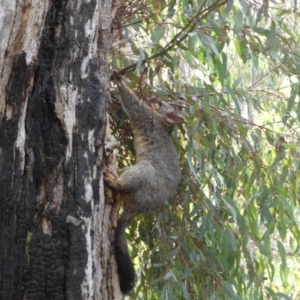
166 113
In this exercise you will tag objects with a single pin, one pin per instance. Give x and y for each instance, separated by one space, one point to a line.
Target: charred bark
53 104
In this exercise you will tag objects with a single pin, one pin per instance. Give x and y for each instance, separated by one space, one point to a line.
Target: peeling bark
54 86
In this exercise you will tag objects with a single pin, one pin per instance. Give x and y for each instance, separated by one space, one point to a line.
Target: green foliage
232 232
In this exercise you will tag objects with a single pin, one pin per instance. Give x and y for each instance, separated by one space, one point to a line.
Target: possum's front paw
110 178
116 75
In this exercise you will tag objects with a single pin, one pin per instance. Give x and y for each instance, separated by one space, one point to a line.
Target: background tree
54 223
233 230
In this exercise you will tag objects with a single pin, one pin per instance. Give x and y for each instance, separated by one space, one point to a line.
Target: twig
192 24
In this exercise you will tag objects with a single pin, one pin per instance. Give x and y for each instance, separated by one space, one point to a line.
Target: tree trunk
54 86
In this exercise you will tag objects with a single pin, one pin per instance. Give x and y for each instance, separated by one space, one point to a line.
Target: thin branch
187 29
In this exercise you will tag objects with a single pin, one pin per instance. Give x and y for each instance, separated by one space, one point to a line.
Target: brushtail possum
152 181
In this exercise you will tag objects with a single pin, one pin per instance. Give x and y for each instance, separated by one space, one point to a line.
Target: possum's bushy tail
125 266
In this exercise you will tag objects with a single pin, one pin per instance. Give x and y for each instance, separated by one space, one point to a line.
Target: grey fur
153 180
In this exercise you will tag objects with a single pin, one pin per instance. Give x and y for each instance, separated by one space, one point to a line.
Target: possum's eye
159 103
155 103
